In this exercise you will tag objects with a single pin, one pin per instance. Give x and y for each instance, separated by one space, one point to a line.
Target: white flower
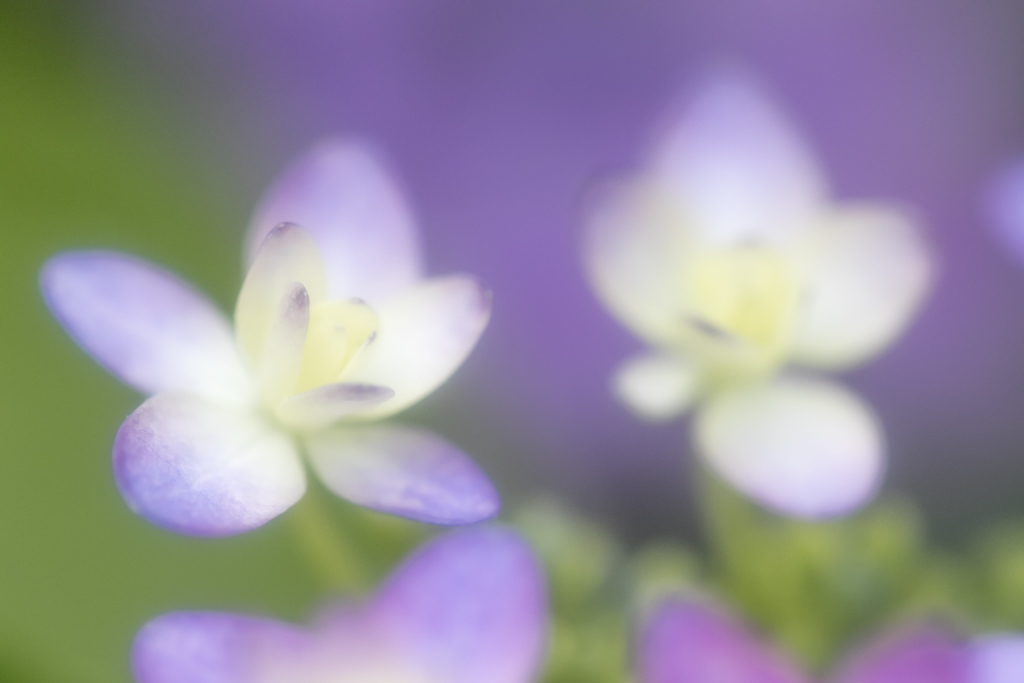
334 328
727 256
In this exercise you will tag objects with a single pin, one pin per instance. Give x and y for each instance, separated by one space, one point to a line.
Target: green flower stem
330 551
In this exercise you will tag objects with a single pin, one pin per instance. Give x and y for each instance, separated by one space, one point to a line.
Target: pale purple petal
424 335
202 469
145 325
468 607
922 655
800 446
689 642
343 194
1006 209
318 408
403 471
740 169
997 658
206 647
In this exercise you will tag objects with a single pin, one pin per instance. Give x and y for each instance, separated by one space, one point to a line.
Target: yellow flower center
337 331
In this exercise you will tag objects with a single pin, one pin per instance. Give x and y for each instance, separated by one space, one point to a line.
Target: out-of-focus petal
148 327
206 647
634 249
403 471
657 386
741 170
922 655
800 446
424 336
317 408
287 257
202 469
997 658
866 270
343 194
468 607
687 642
1005 208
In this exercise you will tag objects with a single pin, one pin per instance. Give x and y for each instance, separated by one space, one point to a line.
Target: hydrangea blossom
726 255
689 641
335 328
468 607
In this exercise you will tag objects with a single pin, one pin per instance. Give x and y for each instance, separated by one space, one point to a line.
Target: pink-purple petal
145 325
468 607
203 469
686 641
206 647
926 654
344 195
403 471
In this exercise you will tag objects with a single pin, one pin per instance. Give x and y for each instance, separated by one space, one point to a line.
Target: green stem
331 553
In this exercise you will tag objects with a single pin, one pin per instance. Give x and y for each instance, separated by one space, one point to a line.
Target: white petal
741 169
344 195
424 336
867 269
288 256
281 356
146 325
635 246
202 469
657 386
802 447
320 407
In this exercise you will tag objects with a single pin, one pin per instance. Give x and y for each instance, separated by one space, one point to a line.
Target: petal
997 658
687 642
635 245
403 471
742 171
344 195
1005 205
202 469
280 359
800 446
148 327
205 647
287 257
867 269
317 408
424 336
470 606
657 386
923 655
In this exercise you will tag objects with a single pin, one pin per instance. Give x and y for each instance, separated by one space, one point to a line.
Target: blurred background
154 127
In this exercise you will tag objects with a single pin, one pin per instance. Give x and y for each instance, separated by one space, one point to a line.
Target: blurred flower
1006 209
726 255
687 641
334 327
997 658
468 607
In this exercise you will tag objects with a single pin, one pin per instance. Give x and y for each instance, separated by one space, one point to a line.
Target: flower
334 329
726 256
689 641
468 607
1004 205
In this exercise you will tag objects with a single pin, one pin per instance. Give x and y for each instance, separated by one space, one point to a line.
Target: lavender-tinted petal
145 325
317 408
689 642
206 647
1005 205
403 471
344 195
997 658
470 606
921 655
203 469
800 446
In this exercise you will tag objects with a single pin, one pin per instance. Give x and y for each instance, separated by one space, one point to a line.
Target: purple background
499 115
